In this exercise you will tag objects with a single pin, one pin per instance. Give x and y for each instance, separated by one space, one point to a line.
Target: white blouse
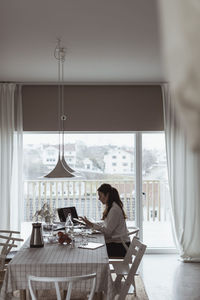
114 224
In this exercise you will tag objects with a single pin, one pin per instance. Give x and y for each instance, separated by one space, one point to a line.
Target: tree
148 159
33 164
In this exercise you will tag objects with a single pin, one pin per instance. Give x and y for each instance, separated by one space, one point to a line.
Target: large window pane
98 158
156 201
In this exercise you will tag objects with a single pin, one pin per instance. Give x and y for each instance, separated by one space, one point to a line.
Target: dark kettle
36 236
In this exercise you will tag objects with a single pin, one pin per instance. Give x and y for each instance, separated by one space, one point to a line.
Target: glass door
157 231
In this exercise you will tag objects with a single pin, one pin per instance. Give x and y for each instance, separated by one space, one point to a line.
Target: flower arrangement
45 213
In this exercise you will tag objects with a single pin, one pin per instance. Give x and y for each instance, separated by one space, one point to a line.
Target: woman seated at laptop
114 221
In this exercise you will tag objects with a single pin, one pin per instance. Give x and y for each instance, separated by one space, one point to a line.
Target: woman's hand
87 222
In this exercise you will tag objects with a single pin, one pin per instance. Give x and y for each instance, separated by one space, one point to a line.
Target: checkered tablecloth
57 260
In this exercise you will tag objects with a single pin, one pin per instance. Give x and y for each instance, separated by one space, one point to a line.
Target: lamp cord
59 54
62 107
59 102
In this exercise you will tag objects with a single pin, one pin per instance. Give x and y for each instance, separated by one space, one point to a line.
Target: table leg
98 296
22 294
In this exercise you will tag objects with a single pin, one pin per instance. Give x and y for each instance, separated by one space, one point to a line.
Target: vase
48 225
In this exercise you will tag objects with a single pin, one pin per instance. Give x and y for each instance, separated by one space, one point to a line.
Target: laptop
63 213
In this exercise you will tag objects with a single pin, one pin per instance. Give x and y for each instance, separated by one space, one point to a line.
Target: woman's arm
87 222
112 221
114 218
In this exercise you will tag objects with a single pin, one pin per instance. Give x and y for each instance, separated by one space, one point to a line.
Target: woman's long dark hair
113 196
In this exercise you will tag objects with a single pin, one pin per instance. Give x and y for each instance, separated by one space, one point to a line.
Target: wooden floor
167 278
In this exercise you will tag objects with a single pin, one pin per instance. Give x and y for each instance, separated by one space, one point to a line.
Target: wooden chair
131 234
7 242
134 232
126 269
68 280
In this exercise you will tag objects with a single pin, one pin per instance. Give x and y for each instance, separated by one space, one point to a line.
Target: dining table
59 260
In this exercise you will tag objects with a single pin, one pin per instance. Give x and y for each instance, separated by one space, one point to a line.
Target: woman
114 221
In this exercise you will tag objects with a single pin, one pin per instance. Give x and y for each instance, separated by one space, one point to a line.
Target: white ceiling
106 40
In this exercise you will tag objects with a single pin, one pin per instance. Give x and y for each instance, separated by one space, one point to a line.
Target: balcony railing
83 195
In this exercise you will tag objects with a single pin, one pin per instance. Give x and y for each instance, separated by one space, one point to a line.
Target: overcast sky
150 140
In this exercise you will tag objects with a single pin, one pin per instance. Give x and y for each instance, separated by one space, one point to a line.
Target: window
82 192
92 157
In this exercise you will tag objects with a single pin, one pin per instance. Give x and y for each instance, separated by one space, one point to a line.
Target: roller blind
94 108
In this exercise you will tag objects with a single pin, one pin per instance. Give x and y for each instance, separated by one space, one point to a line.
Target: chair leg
124 291
134 286
118 281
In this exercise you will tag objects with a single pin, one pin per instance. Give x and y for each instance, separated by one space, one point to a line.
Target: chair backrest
57 280
134 232
135 249
7 242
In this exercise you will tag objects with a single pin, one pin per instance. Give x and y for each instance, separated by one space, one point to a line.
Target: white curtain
11 149
184 182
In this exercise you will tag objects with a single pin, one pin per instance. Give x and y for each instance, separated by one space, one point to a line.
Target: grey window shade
94 108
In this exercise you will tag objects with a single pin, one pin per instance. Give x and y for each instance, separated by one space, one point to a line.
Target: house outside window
123 158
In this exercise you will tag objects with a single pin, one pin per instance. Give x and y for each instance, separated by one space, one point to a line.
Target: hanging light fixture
61 169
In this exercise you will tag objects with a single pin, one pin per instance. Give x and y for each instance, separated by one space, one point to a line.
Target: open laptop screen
63 213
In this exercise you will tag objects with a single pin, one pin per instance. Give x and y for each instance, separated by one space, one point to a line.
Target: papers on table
93 231
91 246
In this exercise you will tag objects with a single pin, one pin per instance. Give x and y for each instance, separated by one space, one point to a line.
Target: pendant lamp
61 170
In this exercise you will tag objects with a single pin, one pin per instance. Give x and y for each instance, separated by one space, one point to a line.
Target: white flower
45 213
